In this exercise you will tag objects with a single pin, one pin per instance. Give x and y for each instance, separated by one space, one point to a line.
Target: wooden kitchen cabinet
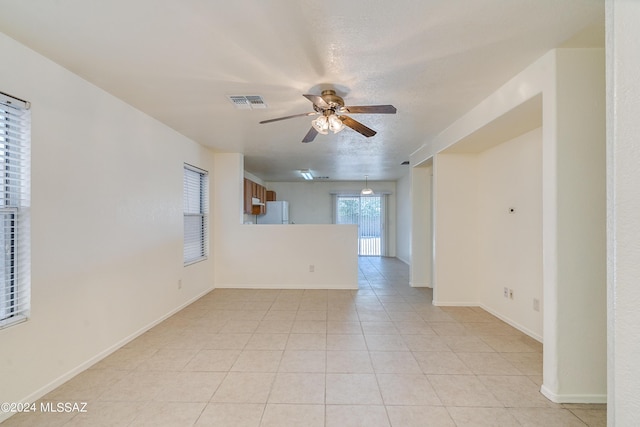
248 194
271 196
254 190
261 193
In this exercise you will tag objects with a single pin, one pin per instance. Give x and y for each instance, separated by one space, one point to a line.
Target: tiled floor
379 356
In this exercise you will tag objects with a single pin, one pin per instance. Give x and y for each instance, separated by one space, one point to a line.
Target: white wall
403 217
571 82
280 256
276 256
623 205
510 251
455 201
480 246
577 160
107 225
421 271
311 202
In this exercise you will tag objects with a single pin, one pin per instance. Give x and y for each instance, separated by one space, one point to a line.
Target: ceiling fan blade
317 101
313 113
357 126
311 135
372 109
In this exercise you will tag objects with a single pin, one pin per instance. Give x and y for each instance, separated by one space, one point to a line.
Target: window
196 204
15 162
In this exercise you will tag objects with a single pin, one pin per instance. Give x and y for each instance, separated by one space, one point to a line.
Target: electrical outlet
180 284
312 268
536 304
506 292
510 293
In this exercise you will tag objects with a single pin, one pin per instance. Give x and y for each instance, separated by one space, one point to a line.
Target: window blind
15 162
368 212
196 205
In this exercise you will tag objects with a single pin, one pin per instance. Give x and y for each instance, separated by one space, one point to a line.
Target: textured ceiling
178 60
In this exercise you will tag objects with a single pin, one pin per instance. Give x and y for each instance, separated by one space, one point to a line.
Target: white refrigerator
277 213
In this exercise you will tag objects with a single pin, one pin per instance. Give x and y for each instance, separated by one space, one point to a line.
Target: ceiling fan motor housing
332 99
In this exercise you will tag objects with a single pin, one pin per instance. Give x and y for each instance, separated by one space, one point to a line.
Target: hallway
379 356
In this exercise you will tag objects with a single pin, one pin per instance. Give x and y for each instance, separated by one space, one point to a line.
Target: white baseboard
404 260
332 286
505 319
420 285
33 397
513 323
455 304
573 398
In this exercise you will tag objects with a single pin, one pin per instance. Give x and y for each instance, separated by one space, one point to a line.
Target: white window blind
196 206
15 162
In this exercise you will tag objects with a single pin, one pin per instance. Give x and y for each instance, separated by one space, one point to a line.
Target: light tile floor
379 356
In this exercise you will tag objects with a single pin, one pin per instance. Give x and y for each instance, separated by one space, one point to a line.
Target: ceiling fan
331 109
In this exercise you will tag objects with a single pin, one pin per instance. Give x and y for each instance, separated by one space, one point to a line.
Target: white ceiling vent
247 102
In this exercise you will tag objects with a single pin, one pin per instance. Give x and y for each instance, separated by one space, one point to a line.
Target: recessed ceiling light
306 174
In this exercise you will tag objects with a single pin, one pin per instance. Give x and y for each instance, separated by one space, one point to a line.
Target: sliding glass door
368 213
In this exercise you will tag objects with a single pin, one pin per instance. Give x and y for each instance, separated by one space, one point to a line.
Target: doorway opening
368 212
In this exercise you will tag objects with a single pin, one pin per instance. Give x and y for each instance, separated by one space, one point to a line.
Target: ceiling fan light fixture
335 124
321 124
366 191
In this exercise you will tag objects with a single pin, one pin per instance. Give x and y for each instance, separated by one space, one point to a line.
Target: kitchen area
273 256
261 205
